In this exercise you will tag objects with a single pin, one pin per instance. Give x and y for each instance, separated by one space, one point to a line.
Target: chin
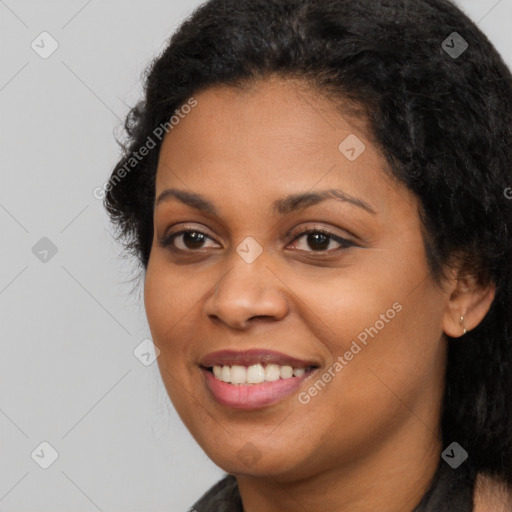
287 463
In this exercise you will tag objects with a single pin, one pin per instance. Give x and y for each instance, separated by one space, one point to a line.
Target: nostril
261 317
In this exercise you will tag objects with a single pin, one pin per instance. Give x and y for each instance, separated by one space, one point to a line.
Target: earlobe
468 305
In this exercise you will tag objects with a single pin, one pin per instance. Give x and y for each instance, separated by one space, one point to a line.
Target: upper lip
253 356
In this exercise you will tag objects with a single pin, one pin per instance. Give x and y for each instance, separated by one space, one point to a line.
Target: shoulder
491 495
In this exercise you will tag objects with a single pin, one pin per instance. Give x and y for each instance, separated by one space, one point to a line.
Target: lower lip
252 396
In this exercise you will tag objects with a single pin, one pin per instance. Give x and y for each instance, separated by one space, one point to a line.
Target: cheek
381 370
167 302
170 296
383 333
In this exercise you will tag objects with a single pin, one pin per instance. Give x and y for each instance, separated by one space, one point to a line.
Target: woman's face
362 311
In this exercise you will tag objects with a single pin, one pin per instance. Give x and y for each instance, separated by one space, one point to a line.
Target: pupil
313 237
193 238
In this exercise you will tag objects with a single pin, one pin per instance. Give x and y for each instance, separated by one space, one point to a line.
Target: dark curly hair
442 121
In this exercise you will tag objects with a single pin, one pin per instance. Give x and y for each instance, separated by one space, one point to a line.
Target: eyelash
345 244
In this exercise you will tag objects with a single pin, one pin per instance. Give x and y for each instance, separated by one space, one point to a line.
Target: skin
370 439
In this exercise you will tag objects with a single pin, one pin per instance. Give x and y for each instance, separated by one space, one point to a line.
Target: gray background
69 325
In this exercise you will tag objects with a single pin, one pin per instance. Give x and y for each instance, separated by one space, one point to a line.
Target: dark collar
451 490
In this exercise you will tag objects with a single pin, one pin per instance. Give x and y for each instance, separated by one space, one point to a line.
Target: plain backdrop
76 392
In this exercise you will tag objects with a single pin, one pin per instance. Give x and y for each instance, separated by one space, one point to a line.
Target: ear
470 299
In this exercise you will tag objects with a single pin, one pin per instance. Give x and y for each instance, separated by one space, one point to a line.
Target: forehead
269 136
286 108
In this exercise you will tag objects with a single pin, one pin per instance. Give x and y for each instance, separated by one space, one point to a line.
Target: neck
395 477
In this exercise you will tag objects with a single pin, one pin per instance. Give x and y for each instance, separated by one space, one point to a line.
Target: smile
254 378
252 396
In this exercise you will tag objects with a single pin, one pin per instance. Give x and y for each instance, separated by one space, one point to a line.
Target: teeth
225 373
256 373
272 372
238 374
285 372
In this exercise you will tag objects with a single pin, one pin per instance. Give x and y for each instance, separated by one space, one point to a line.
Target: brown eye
319 240
189 240
193 239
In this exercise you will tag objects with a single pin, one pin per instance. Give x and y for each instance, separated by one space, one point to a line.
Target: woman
316 193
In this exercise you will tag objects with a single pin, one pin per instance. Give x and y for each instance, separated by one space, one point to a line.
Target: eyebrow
283 206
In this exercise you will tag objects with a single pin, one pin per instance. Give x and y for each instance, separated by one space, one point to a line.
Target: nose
248 293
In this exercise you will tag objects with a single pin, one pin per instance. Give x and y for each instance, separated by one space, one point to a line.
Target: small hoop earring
462 323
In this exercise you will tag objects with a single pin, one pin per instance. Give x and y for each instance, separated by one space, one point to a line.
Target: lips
254 356
254 396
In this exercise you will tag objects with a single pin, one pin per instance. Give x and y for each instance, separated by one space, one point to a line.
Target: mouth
256 373
253 379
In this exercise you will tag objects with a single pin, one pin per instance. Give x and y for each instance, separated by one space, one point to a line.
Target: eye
193 239
189 239
319 240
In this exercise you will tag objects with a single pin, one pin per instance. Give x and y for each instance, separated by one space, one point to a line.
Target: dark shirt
451 490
